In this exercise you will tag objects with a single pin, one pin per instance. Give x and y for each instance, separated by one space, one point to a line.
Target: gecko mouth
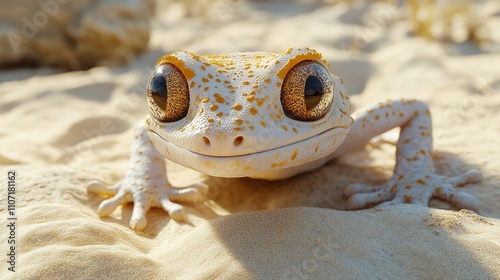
266 164
165 142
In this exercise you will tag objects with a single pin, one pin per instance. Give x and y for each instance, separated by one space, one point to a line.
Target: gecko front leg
414 179
146 185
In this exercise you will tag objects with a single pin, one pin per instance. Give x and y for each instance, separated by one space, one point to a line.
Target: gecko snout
237 141
206 140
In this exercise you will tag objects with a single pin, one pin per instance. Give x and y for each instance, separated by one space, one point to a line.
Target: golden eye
168 93
307 91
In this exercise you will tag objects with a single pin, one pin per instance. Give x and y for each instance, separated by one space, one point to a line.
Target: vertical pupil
158 89
313 91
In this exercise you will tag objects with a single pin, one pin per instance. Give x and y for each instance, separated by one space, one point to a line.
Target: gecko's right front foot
145 193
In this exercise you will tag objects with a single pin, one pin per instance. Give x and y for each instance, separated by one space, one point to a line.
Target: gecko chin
254 165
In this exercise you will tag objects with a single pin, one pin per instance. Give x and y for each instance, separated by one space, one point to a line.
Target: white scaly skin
236 127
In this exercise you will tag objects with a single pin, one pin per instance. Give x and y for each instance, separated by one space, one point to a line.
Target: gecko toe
176 211
457 198
193 194
138 220
361 200
389 203
99 187
471 176
109 205
360 188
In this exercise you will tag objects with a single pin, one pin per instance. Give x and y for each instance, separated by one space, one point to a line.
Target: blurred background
80 35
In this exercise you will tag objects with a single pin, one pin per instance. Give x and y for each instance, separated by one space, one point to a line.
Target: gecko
268 116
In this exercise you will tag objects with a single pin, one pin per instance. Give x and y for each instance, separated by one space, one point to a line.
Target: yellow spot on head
239 121
294 154
263 123
260 101
253 111
220 114
171 58
250 98
214 107
312 55
284 127
205 80
218 98
237 106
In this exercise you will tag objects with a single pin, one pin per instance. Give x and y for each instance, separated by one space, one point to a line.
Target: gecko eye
307 91
168 93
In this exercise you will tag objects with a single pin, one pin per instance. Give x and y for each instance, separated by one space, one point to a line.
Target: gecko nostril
238 140
206 140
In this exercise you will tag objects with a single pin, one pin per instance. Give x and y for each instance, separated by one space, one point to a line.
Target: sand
61 130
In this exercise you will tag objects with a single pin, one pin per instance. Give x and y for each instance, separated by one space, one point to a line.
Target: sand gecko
269 116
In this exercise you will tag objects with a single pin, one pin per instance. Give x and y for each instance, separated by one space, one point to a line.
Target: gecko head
243 114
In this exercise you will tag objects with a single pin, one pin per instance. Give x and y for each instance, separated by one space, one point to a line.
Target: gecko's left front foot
417 188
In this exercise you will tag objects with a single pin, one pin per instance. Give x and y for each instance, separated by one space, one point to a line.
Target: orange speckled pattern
237 96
